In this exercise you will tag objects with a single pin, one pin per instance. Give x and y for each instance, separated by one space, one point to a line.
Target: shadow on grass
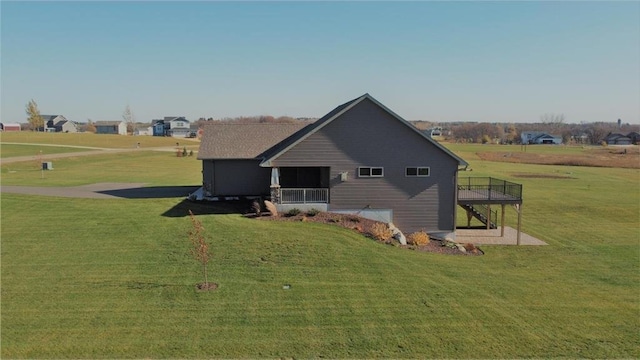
153 192
208 208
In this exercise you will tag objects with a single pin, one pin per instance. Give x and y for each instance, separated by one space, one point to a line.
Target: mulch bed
364 226
210 286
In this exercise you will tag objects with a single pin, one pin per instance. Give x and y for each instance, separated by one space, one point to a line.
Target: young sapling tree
200 249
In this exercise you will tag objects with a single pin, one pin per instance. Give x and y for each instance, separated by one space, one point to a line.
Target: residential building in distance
539 137
58 123
9 126
111 127
176 126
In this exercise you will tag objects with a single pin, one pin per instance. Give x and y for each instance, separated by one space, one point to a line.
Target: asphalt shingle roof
242 141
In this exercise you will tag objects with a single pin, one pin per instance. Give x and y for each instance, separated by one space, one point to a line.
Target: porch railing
487 188
304 196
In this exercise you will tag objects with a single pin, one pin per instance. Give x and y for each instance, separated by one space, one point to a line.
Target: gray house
58 123
359 158
618 139
111 127
538 137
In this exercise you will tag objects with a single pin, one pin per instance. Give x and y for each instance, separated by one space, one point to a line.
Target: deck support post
488 216
519 208
502 222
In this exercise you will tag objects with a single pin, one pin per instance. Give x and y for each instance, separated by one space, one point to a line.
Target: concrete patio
492 237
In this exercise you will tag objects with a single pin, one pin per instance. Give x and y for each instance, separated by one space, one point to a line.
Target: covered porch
300 185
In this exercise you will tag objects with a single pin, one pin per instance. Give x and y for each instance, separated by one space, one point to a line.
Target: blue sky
436 61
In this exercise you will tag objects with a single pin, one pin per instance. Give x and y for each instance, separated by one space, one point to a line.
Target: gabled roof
172 118
546 136
242 141
107 123
615 136
296 138
47 118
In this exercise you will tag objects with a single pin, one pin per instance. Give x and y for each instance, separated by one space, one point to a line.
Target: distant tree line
587 133
260 119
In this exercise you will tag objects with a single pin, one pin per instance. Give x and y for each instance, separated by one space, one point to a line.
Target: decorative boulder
397 234
271 207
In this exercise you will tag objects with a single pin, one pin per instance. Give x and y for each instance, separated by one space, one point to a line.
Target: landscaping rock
397 234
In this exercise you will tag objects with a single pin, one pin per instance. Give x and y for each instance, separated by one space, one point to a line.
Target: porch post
519 207
275 185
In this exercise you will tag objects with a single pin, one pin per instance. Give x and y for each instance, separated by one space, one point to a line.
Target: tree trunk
206 281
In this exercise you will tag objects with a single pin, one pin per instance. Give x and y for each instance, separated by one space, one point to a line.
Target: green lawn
136 166
115 279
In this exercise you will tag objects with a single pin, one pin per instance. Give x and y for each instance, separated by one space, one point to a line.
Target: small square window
417 171
367 171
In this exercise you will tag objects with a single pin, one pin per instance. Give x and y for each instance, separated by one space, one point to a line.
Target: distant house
635 137
10 126
111 127
617 139
58 123
66 126
434 131
176 126
144 130
538 137
359 158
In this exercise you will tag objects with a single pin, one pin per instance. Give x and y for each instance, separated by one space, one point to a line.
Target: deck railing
488 188
304 196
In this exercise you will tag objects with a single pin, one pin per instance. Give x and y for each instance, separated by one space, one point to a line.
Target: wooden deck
477 194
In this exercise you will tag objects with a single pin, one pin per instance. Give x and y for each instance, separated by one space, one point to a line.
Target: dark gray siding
235 177
367 135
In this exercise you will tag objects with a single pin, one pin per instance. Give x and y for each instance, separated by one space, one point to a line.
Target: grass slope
115 279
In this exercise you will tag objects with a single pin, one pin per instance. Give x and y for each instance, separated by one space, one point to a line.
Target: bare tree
36 121
90 127
555 121
128 117
200 248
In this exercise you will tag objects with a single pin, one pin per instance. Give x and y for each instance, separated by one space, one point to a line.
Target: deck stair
479 211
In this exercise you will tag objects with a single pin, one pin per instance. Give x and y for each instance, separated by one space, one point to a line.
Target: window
417 171
367 171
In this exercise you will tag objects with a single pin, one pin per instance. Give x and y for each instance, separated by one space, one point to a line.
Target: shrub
418 238
271 208
255 207
469 247
313 212
381 232
293 212
354 218
449 244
